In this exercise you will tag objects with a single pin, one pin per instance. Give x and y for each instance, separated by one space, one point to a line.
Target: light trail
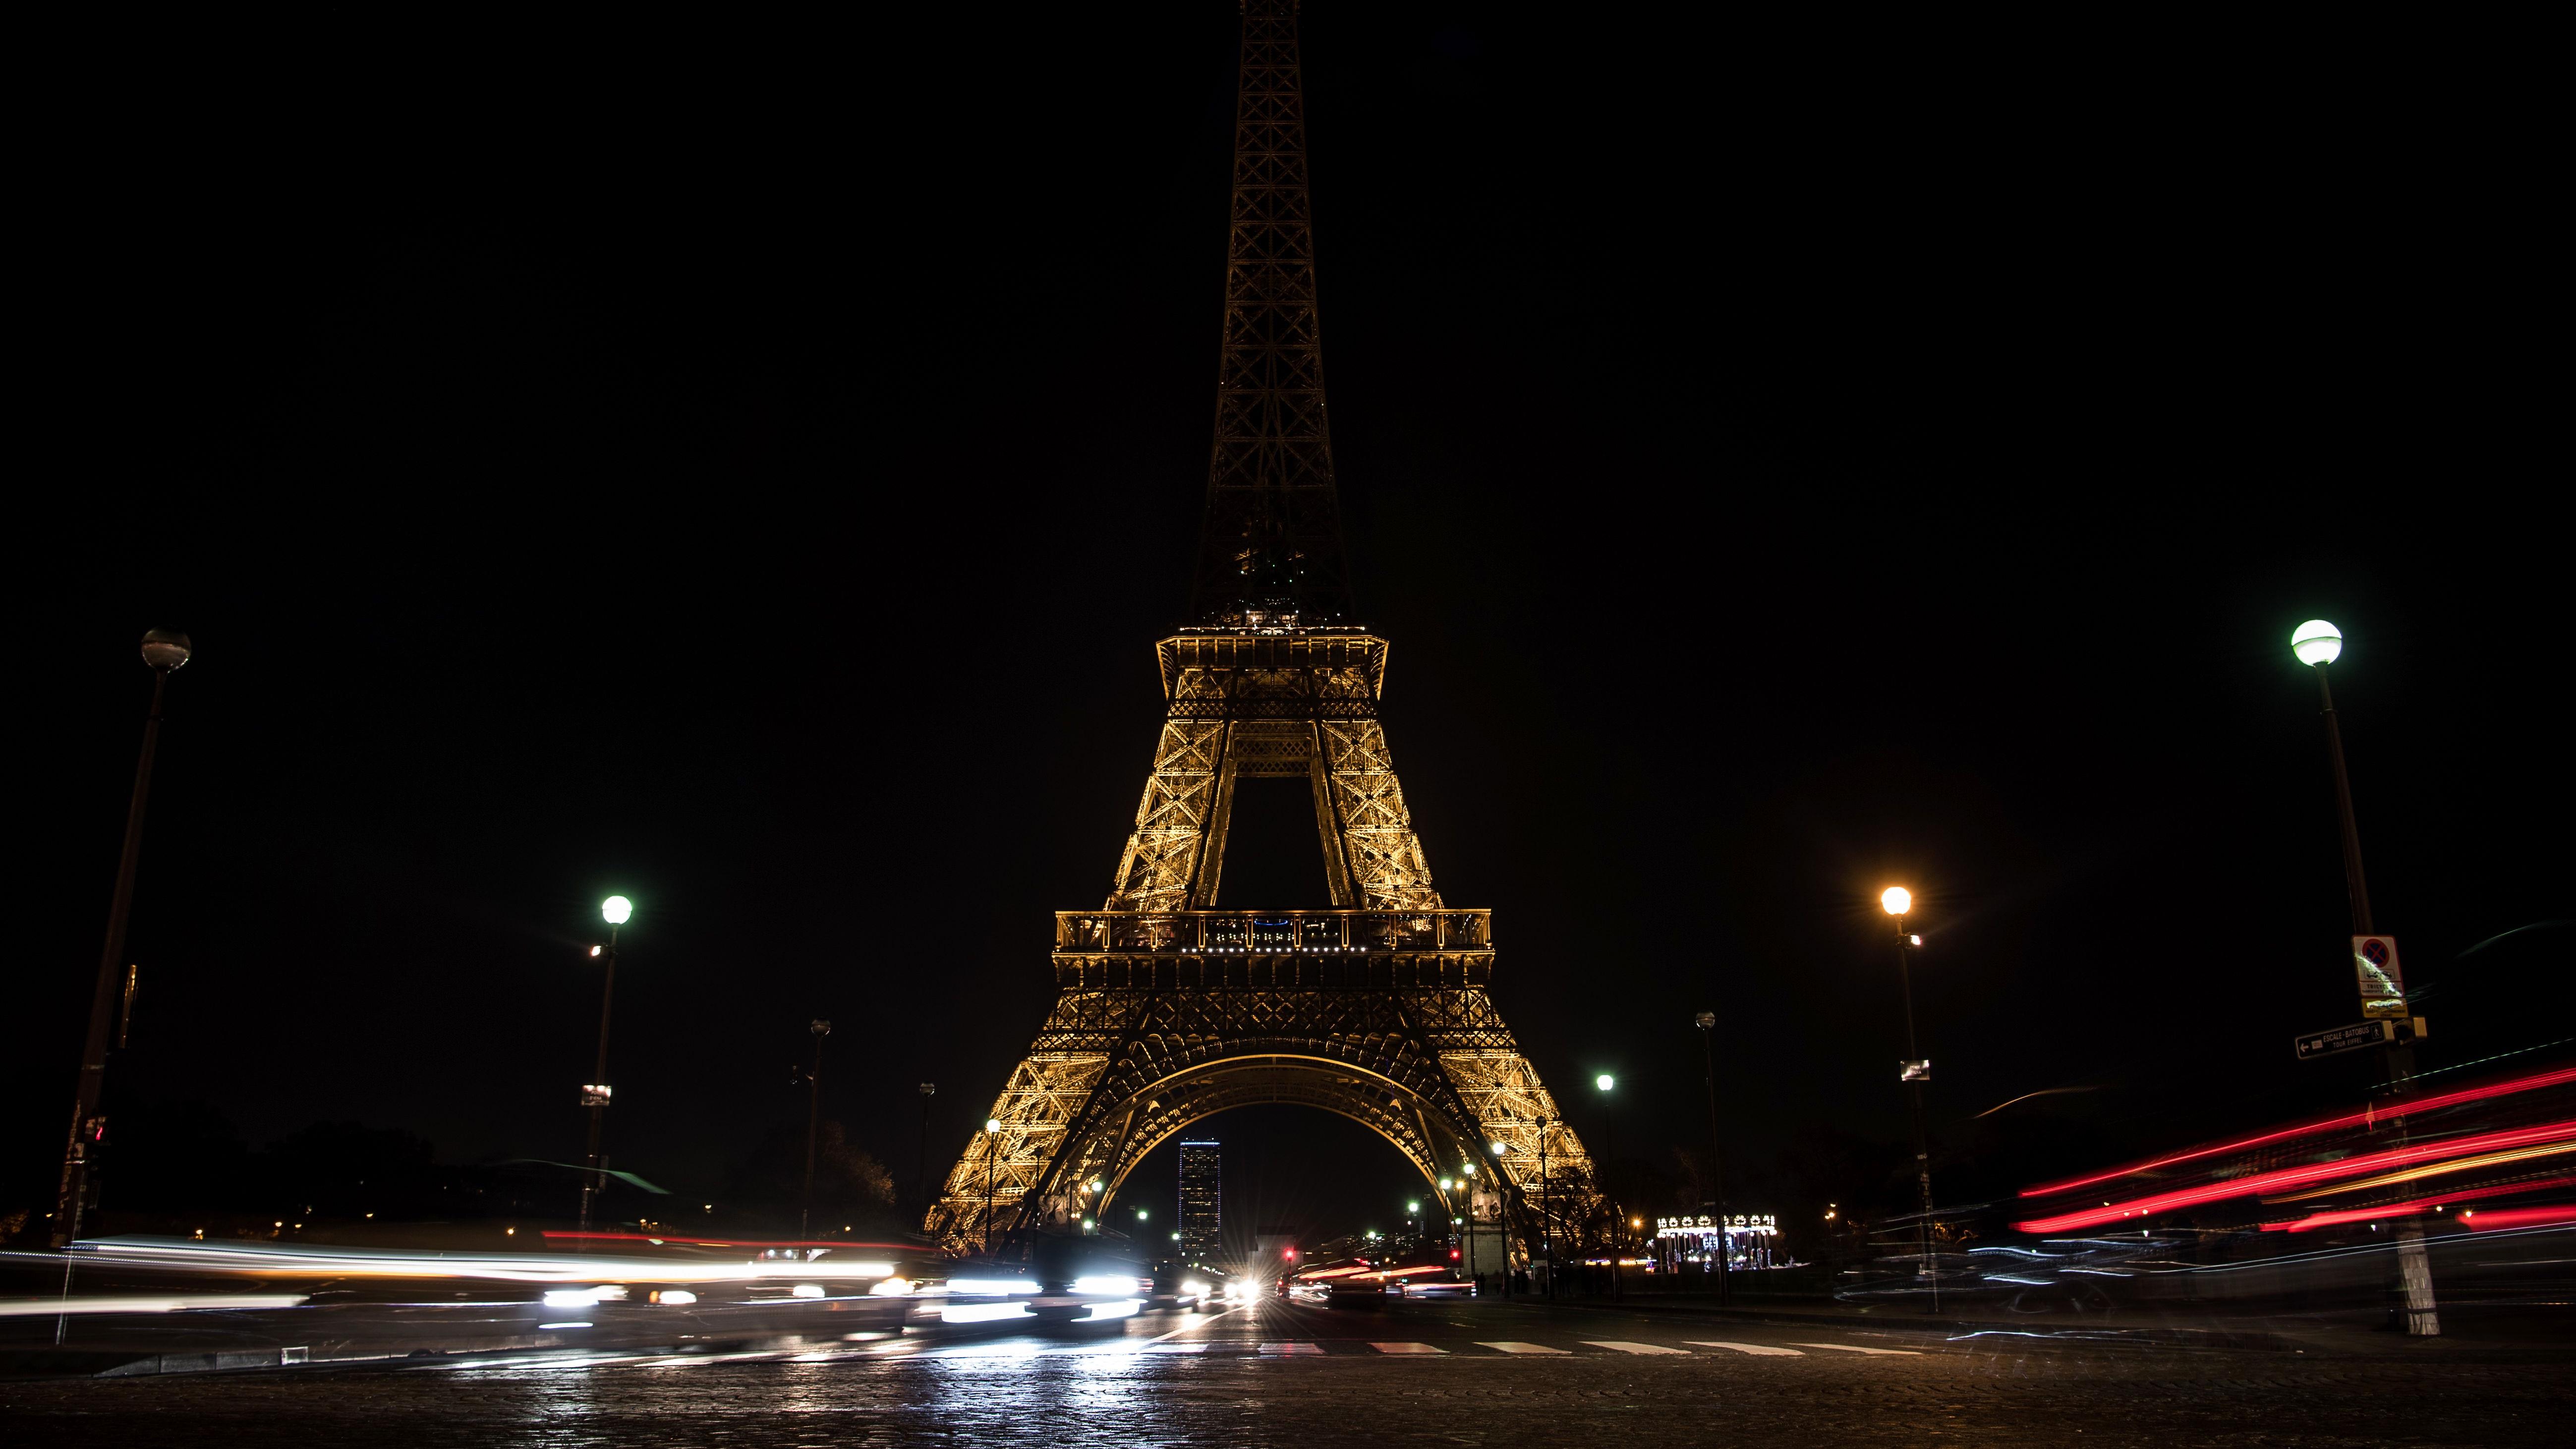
303 1261
2314 1221
2366 1117
2530 1217
2417 1174
143 1303
2264 1182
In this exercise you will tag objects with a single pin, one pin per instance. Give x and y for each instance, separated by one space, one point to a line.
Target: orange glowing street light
1914 1071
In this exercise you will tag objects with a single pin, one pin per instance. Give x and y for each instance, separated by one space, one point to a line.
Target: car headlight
1115 1283
1195 1290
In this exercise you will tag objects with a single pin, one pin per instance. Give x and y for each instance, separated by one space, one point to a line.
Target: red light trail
2530 1217
2367 1116
2264 1182
2314 1221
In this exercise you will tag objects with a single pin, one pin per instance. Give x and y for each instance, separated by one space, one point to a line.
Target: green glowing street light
616 911
2317 642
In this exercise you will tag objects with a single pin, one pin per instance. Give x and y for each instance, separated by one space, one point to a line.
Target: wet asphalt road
1427 1372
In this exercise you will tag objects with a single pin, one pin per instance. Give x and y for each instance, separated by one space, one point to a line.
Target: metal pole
1922 1140
595 1181
1546 1212
88 1128
921 1168
1707 1021
2355 884
2397 1063
88 1125
813 1126
992 1143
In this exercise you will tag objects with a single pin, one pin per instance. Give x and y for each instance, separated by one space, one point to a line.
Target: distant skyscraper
1202 1201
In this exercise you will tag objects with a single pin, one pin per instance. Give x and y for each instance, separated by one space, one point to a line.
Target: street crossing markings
1764 1349
1406 1348
1292 1348
1198 1346
1856 1348
1508 1346
1626 1347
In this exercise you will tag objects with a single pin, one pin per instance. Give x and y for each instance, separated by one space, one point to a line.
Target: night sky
752 478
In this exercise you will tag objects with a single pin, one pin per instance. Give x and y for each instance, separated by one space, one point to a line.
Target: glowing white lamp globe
2316 642
616 909
1605 1081
1896 900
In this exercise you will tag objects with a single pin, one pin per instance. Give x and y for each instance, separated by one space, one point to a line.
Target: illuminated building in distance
1202 1200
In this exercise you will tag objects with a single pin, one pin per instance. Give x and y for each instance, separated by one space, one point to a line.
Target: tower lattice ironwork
1169 1009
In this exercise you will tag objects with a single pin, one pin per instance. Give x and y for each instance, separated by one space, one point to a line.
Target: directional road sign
2346 1038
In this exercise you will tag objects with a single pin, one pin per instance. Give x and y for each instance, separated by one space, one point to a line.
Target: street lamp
165 651
921 1167
616 911
1706 1021
1600 1175
1914 1071
2317 644
992 1144
813 1125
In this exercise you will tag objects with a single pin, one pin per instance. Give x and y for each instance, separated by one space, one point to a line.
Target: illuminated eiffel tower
1170 1010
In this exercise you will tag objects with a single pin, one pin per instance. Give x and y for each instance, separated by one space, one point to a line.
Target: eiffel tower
1170 1009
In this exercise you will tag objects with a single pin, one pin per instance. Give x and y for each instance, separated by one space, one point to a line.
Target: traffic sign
2345 1038
2359 1034
2375 971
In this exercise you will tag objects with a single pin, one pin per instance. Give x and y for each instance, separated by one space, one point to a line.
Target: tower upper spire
1270 547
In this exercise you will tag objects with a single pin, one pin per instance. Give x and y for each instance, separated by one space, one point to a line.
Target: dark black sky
749 472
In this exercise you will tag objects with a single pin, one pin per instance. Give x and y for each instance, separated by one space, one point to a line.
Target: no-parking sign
2374 970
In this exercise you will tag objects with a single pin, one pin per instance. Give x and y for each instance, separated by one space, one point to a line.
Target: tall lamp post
921 1168
1604 1084
1916 1071
1546 1211
165 651
1706 1021
992 1143
616 910
813 1125
2317 644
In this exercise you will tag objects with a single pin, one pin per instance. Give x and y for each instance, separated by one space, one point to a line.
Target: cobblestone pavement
1426 1372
